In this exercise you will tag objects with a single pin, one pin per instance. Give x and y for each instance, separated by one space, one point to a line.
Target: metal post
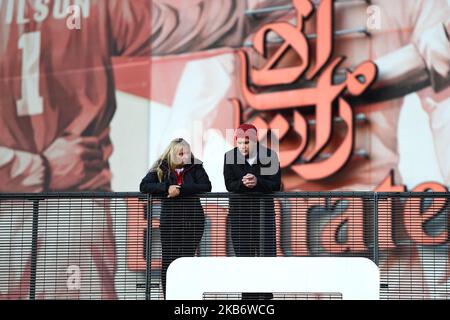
262 233
148 249
375 229
34 249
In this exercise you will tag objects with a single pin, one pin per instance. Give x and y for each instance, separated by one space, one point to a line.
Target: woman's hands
174 191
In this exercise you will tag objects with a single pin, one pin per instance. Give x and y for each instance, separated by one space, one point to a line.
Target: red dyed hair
246 131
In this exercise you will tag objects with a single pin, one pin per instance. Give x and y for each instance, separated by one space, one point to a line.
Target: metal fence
112 245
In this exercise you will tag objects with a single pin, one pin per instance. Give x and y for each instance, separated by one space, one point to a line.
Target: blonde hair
168 156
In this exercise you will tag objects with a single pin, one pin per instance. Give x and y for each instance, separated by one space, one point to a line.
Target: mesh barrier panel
119 245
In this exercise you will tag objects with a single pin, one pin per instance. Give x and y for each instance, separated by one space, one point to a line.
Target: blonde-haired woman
177 173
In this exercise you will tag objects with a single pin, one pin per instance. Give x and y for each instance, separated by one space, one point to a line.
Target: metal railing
110 245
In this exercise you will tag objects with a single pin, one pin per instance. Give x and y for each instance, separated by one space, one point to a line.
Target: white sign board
355 278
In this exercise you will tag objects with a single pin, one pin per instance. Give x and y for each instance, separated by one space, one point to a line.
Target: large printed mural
355 96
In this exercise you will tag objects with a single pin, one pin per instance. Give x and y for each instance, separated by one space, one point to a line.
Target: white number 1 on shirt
31 103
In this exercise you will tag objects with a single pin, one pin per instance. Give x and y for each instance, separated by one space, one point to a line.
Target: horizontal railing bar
224 195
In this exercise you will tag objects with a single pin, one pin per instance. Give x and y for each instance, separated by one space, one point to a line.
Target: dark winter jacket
251 215
195 180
